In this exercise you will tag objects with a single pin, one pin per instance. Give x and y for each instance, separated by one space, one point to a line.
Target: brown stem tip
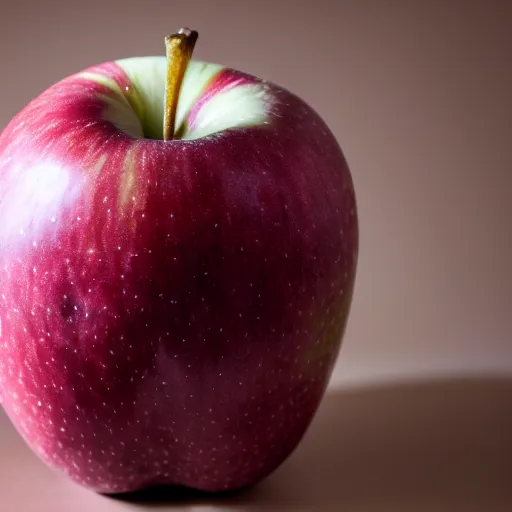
179 48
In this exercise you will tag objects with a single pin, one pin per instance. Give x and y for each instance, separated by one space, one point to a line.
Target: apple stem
179 48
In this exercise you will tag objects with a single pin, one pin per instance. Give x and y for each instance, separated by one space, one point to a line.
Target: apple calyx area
212 99
179 48
200 99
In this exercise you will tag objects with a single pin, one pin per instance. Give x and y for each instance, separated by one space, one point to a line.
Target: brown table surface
442 445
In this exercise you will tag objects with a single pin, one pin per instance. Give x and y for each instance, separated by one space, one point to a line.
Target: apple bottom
220 467
216 452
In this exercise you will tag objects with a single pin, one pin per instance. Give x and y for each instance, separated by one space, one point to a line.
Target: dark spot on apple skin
68 307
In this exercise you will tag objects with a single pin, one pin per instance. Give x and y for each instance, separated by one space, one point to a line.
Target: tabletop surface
440 445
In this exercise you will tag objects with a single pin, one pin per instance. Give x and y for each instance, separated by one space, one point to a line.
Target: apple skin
170 312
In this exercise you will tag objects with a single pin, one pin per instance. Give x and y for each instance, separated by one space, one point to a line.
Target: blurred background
419 96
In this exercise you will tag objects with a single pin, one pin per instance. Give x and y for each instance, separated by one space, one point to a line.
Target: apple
178 252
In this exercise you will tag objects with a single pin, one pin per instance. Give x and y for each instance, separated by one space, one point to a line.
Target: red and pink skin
170 311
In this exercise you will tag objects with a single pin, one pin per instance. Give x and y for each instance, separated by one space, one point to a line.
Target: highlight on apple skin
170 310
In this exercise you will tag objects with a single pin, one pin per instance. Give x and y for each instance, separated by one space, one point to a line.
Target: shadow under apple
442 445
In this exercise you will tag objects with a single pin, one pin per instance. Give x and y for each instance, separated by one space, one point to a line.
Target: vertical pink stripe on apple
223 81
112 71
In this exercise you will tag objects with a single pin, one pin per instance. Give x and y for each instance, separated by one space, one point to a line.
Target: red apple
170 310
